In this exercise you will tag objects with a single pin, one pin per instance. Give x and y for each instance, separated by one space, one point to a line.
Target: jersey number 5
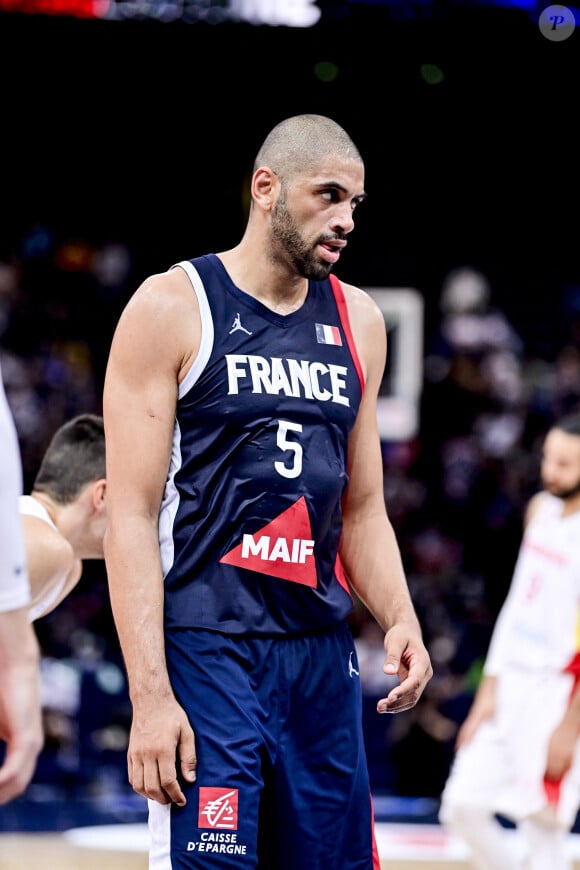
284 427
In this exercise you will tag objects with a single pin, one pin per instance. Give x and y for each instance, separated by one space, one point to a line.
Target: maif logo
283 548
218 808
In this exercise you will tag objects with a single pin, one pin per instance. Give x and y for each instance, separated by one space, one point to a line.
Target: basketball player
517 751
20 714
245 500
64 517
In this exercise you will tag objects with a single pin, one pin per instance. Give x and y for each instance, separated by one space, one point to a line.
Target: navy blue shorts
282 780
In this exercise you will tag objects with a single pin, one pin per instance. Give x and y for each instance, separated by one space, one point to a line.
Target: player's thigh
323 812
480 771
224 685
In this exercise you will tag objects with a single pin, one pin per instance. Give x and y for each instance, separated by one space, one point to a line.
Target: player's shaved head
302 142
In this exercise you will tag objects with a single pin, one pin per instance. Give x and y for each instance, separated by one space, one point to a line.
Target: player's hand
561 749
20 708
22 749
161 737
407 658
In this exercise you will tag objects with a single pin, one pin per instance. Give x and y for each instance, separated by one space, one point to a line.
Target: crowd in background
455 494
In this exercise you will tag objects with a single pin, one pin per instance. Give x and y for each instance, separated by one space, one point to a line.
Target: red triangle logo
284 548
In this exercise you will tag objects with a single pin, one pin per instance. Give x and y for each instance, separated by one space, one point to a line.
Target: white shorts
502 768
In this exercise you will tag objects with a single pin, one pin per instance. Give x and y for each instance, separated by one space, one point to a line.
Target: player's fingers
391 664
145 778
188 756
402 697
135 775
15 773
164 785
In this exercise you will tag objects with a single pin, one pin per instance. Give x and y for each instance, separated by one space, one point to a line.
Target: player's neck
271 284
48 504
570 505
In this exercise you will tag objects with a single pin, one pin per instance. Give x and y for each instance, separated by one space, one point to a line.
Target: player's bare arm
369 550
20 722
563 740
482 709
151 350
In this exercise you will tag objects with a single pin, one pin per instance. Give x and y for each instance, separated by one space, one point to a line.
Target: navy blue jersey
251 519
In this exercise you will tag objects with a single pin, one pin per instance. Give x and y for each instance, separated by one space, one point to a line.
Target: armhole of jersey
207 333
345 323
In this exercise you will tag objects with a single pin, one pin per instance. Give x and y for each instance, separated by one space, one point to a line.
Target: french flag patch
326 334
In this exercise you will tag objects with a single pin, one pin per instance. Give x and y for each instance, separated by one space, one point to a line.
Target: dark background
145 132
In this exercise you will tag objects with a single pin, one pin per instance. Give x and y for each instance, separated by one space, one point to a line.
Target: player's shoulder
61 549
361 305
48 538
54 570
368 329
160 306
162 288
49 553
536 504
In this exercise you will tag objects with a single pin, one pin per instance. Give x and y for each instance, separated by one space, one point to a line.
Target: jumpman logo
237 326
351 668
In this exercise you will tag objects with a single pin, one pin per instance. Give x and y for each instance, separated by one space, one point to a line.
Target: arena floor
124 847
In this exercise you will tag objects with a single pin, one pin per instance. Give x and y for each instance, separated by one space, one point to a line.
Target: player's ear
99 492
264 187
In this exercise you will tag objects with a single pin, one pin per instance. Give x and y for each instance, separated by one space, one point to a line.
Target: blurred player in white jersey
518 751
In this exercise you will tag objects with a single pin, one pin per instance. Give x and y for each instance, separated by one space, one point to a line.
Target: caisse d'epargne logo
218 808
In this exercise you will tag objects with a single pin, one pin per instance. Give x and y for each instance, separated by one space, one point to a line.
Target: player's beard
287 236
565 494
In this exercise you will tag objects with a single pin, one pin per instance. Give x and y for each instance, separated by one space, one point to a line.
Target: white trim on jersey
207 333
29 506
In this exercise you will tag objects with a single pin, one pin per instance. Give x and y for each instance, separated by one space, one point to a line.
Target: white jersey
14 585
29 506
538 626
534 656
